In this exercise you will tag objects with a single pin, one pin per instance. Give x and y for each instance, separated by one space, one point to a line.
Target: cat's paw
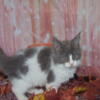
40 91
22 97
49 88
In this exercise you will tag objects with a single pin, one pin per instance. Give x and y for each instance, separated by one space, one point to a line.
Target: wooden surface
23 22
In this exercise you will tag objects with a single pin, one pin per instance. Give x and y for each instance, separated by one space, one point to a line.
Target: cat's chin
75 64
70 66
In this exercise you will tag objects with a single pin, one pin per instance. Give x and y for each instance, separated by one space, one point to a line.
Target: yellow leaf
79 89
39 97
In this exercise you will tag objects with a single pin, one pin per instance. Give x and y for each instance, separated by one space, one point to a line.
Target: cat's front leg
19 88
19 94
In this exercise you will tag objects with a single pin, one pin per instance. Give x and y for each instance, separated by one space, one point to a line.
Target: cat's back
27 52
39 56
29 62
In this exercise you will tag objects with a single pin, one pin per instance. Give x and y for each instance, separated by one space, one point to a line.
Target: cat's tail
3 58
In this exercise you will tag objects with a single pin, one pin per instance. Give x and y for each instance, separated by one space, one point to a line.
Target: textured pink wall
23 22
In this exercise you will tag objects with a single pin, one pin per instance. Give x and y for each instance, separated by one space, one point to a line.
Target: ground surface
79 88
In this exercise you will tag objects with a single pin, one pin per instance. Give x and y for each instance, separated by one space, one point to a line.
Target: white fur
62 74
36 77
72 63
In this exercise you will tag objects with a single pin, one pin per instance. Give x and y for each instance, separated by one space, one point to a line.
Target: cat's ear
56 43
76 40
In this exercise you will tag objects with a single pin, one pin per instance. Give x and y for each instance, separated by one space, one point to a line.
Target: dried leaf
79 89
39 97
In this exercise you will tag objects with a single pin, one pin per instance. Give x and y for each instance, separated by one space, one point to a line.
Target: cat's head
67 52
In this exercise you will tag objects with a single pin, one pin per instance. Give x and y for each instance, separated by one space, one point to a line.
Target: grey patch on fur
44 58
24 69
30 52
50 77
14 66
62 50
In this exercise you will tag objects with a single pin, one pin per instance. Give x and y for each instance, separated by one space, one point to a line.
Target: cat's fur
42 66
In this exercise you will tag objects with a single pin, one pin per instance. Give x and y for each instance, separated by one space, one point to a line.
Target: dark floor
78 88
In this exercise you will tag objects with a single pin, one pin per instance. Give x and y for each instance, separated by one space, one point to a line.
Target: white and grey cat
42 66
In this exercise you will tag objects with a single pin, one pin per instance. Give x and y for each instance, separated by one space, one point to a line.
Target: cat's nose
71 64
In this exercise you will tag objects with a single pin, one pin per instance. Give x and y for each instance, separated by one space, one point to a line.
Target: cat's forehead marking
70 58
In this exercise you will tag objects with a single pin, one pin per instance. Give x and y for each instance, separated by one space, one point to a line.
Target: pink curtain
23 22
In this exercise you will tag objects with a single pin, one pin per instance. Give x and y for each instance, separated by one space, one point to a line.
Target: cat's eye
67 59
76 57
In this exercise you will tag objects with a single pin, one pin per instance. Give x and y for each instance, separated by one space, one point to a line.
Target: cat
42 66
